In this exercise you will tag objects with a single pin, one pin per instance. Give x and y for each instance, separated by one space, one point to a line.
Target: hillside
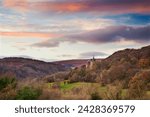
137 54
28 68
121 65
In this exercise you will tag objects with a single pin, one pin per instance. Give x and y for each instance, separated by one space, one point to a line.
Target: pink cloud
100 6
29 34
22 5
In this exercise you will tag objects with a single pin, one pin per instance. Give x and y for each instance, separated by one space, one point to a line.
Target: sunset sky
53 30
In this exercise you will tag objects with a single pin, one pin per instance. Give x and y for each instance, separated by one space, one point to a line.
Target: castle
91 63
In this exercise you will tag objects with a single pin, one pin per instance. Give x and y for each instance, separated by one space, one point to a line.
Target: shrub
93 90
90 77
8 94
50 94
5 81
138 85
113 93
77 75
75 78
78 93
28 93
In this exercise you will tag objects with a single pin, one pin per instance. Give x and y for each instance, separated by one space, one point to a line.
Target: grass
103 88
69 86
148 93
124 92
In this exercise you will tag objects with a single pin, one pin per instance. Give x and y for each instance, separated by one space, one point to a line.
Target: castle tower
92 61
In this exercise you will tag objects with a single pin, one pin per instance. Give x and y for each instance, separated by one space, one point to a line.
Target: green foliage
28 93
67 86
5 81
7 87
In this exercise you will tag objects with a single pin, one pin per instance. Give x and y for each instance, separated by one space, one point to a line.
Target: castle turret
90 63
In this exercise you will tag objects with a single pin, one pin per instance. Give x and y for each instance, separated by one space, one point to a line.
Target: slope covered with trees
28 68
129 68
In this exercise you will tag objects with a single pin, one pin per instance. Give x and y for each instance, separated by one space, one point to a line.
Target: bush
28 93
75 78
90 77
77 75
138 85
50 94
8 94
5 81
113 93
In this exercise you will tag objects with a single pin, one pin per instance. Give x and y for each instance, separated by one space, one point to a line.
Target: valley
123 75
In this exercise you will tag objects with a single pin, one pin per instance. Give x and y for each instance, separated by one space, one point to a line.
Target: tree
144 63
138 85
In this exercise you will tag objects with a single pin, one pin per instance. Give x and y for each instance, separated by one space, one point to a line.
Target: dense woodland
123 75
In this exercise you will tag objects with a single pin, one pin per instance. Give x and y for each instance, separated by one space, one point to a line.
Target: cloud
66 56
110 34
113 34
21 5
70 6
48 44
55 25
91 54
29 34
22 49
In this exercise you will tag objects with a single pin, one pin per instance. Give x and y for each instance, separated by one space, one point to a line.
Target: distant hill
28 68
73 63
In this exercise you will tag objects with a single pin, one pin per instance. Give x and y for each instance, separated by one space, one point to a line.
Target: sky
53 30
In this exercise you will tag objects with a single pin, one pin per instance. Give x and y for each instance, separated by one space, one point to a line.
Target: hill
73 63
28 68
137 54
122 65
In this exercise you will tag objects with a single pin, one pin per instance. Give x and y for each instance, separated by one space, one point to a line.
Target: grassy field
69 86
89 87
